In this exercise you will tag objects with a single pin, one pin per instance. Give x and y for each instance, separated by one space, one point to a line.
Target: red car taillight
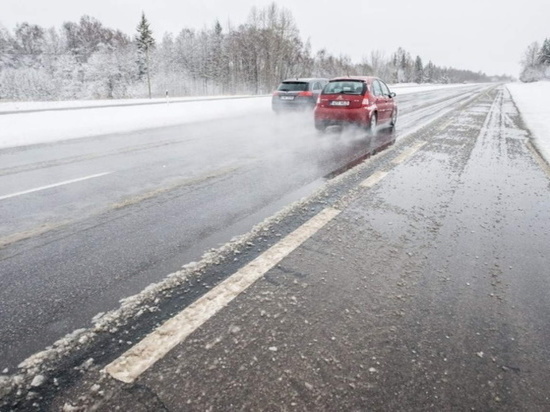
365 102
305 94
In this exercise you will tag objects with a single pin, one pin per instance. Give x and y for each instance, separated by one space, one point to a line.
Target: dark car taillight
276 93
306 94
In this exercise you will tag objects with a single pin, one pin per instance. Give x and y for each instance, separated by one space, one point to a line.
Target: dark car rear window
345 87
293 87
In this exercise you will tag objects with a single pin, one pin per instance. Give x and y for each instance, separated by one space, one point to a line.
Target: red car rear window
345 87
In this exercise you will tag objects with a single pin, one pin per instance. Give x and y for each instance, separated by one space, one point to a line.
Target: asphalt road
132 208
422 285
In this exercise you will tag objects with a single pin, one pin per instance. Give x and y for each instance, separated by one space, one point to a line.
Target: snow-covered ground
26 128
72 104
48 126
533 102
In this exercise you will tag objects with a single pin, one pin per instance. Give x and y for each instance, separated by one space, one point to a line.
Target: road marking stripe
373 179
447 124
408 153
158 343
54 185
542 162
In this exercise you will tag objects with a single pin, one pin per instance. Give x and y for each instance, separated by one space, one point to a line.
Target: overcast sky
486 35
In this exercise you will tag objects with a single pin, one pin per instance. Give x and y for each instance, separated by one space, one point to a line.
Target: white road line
408 153
66 182
379 175
158 343
447 124
373 179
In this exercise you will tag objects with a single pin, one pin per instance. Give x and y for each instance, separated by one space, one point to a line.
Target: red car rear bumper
331 115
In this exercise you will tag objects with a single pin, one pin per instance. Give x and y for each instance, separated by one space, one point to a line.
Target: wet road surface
150 202
429 290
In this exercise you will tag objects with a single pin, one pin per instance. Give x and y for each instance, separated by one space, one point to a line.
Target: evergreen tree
145 43
144 38
418 70
544 53
219 58
429 73
402 66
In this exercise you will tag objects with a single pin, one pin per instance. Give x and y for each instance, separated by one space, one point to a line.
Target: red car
363 101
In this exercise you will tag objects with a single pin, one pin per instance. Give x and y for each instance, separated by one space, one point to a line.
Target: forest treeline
536 62
86 60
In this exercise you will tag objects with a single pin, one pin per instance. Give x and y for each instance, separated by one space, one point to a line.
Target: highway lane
417 281
153 159
117 212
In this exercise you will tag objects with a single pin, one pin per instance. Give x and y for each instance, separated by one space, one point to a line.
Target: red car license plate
339 103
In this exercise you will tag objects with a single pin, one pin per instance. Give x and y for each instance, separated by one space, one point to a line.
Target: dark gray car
297 94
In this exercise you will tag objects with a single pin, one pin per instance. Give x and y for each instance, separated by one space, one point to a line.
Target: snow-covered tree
380 65
85 59
402 66
418 70
429 73
109 73
68 75
544 53
7 51
531 66
219 58
145 44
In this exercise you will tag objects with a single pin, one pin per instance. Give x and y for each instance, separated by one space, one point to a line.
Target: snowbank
44 127
10 107
533 102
